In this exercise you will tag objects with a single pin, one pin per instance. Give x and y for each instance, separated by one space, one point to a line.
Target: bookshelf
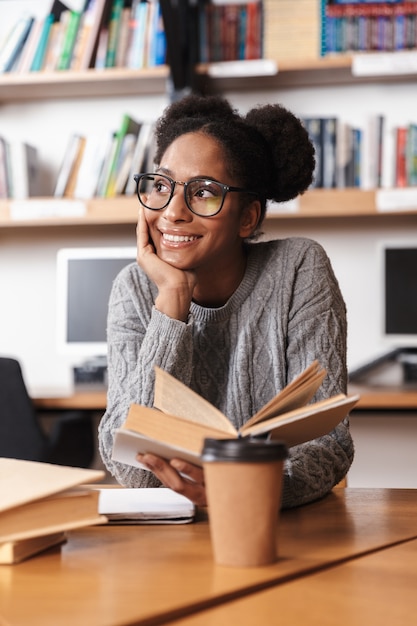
83 84
318 204
93 83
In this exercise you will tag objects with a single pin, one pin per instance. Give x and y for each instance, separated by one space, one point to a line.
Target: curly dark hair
267 151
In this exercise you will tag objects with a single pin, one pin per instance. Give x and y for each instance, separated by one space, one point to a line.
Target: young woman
234 319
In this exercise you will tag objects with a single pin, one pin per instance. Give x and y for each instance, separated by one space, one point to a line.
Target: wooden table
109 575
374 590
371 398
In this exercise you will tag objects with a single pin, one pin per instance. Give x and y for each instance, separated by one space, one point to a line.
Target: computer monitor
399 293
84 281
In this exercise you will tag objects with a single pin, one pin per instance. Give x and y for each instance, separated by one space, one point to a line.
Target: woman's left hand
184 478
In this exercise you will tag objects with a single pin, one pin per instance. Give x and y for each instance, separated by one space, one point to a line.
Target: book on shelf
128 126
114 32
42 44
95 15
17 551
123 39
411 159
401 156
329 151
291 30
14 43
139 161
70 164
181 419
125 163
136 52
367 26
55 41
68 42
230 31
145 506
4 174
42 499
96 148
26 58
25 173
313 126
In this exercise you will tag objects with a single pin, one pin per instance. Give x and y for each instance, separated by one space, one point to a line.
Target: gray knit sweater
287 311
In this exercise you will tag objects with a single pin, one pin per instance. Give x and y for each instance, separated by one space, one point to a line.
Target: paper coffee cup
243 480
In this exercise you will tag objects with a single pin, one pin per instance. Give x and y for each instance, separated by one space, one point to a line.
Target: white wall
27 259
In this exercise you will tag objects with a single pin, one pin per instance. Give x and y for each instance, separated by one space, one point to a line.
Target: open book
182 419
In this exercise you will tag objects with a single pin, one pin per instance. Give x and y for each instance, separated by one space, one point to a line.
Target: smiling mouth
178 238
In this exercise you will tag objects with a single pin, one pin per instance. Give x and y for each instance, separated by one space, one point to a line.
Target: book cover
313 125
401 133
329 151
136 53
95 16
114 31
128 126
14 43
412 155
26 58
72 178
71 30
181 419
4 184
138 164
55 40
125 163
96 147
17 551
68 162
40 52
25 170
42 498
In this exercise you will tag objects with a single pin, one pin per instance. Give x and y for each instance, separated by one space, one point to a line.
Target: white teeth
177 238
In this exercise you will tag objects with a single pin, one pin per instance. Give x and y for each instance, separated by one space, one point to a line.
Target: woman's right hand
175 286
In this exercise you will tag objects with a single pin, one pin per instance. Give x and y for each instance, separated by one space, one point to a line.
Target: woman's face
186 240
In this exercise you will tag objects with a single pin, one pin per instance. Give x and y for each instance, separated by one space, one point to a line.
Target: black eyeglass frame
225 189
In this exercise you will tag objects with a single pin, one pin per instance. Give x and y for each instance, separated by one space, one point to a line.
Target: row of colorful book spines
406 156
230 32
143 30
366 34
325 137
43 47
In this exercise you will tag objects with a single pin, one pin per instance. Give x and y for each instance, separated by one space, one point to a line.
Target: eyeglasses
203 196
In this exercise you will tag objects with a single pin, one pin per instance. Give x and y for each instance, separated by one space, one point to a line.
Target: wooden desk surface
109 575
377 589
371 398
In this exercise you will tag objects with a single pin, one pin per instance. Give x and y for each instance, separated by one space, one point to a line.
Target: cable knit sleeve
317 330
138 337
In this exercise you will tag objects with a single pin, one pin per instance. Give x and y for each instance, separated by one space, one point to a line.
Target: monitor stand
396 368
92 374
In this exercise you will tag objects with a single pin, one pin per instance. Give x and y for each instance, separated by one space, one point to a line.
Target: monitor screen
84 281
400 293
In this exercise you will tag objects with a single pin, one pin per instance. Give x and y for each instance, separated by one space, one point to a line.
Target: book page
172 396
144 504
170 429
296 394
306 423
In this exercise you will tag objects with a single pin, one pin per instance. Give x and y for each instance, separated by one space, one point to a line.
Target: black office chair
71 441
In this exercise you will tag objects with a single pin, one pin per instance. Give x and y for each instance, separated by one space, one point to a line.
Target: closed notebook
145 506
